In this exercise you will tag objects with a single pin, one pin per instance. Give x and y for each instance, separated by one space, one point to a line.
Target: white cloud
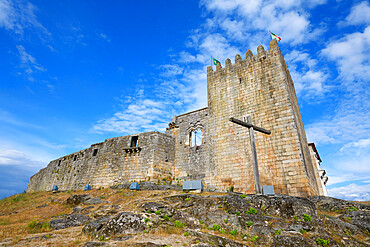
352 192
359 14
362 143
287 18
309 80
19 15
351 53
18 158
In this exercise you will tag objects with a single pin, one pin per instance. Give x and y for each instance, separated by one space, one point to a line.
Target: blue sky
74 73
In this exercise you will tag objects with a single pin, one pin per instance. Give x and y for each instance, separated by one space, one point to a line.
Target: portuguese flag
274 36
215 61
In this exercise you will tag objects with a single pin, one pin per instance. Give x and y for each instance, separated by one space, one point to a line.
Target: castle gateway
205 145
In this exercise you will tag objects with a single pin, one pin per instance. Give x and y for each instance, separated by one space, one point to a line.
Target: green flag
215 61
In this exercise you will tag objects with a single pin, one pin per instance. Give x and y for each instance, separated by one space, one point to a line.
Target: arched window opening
195 137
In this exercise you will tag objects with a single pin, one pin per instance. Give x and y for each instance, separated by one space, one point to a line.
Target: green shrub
186 234
146 220
237 213
220 206
232 188
303 231
346 232
187 199
322 242
201 221
234 232
225 220
179 224
101 238
149 212
307 217
158 212
249 223
278 232
251 211
216 227
242 196
165 217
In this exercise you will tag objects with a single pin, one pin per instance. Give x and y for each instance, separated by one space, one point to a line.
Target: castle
205 145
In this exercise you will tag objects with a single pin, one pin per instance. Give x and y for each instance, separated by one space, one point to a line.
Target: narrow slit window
134 141
75 158
198 137
95 152
59 162
192 138
240 80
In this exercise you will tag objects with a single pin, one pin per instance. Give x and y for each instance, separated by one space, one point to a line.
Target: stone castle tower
205 145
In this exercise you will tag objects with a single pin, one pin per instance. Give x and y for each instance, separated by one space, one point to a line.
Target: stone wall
191 161
113 161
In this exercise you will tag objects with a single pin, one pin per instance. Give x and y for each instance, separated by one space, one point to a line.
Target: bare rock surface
69 221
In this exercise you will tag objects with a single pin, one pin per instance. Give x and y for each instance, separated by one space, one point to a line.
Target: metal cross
252 127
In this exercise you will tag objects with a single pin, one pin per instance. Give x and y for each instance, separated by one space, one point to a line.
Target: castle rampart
145 156
204 144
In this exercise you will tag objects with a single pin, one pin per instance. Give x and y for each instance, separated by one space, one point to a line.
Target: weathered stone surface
93 201
69 221
75 200
291 241
93 227
330 204
123 223
216 240
358 218
93 244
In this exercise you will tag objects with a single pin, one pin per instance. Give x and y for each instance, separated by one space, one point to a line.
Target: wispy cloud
308 79
104 37
29 64
18 15
18 158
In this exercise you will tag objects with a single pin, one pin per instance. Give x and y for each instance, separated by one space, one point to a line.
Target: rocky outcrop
230 219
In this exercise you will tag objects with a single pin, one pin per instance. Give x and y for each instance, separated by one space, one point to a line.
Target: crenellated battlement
249 58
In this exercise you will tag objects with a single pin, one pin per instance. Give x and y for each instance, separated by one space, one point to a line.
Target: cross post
251 128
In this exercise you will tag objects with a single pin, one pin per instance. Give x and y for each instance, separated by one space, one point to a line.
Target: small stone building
205 145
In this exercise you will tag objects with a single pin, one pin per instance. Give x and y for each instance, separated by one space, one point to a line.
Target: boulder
69 220
123 223
75 200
